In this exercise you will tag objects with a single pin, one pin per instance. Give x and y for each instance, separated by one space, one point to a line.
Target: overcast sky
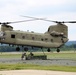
60 10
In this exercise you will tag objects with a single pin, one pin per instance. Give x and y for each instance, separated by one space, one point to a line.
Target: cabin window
23 37
12 36
33 38
46 39
51 40
42 39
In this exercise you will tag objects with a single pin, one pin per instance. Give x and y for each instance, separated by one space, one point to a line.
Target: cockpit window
2 33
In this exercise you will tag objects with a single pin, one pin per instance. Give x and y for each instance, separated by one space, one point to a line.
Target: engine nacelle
6 27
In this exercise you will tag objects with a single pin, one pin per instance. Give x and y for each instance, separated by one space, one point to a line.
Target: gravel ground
66 62
35 72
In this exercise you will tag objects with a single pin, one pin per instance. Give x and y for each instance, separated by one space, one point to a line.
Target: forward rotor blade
44 19
34 18
30 17
17 21
23 21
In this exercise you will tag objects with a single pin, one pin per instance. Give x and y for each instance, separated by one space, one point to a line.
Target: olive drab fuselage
54 37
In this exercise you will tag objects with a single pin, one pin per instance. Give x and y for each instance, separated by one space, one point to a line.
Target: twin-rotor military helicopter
54 37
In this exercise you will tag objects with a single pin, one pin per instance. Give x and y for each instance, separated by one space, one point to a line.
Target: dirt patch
35 72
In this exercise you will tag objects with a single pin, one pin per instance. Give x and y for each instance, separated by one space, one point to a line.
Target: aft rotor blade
69 22
59 21
44 19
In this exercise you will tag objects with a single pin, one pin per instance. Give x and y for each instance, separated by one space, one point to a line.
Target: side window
42 39
46 39
51 40
12 35
23 37
33 38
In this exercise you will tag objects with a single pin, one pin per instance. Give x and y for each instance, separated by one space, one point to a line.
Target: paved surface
35 72
66 62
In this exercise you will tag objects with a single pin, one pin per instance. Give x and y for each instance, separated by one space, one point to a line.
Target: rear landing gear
58 50
48 50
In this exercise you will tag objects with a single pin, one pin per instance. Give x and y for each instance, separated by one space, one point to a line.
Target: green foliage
51 55
19 66
37 67
5 48
62 55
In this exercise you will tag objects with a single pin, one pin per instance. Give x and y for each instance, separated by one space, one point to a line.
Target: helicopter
55 37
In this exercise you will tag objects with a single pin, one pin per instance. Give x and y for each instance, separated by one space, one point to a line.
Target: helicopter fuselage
55 37
31 39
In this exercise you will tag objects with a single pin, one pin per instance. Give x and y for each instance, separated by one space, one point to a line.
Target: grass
37 67
62 55
10 55
19 66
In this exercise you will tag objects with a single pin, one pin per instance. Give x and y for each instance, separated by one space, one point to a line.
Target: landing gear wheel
17 49
26 49
58 50
48 50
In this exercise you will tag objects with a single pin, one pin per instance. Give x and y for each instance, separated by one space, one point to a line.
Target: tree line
13 49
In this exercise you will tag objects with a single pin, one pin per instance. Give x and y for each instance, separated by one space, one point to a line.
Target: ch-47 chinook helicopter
54 37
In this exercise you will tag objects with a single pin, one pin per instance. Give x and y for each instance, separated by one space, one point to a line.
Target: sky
57 10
